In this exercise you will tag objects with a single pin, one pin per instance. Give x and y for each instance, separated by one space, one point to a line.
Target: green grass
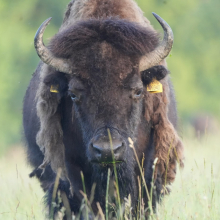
20 196
195 193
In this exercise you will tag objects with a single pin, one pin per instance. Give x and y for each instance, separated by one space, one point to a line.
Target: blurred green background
194 61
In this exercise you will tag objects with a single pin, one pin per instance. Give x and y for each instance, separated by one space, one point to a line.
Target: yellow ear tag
155 87
54 88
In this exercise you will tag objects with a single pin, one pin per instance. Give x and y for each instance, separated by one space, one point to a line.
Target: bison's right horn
45 54
162 50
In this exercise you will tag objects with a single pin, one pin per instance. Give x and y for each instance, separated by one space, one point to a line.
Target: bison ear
157 72
57 82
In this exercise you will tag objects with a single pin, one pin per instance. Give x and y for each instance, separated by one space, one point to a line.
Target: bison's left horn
162 50
46 55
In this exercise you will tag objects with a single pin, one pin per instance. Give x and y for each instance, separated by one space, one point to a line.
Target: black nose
103 152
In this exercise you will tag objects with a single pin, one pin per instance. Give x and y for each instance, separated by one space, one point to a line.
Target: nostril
118 148
96 149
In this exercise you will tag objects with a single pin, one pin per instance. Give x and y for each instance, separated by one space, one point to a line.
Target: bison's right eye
76 95
73 96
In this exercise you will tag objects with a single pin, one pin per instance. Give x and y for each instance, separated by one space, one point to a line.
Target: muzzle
101 150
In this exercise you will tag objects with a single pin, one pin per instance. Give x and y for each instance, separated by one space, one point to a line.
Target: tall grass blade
66 205
92 193
106 198
56 184
139 199
116 176
100 211
152 181
131 145
84 189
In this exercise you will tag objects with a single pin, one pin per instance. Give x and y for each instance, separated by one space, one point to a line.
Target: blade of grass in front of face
66 205
106 198
100 211
142 188
116 176
81 210
131 145
84 189
152 181
139 200
87 202
92 193
56 183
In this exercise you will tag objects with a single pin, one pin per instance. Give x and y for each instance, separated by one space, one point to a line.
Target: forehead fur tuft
129 38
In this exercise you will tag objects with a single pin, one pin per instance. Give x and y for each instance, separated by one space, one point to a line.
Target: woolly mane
128 38
131 40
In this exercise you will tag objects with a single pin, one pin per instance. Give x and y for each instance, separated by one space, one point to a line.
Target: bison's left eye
137 93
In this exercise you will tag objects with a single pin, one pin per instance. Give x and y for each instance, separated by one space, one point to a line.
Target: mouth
111 162
107 163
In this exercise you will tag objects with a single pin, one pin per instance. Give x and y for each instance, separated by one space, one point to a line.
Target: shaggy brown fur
169 148
50 136
133 41
129 38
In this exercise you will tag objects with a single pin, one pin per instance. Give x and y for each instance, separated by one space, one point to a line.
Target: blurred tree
194 62
19 21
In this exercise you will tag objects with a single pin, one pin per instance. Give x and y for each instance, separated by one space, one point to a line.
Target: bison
89 95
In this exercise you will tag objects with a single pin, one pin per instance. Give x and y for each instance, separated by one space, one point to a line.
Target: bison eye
137 93
74 97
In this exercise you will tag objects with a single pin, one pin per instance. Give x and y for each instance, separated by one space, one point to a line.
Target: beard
125 180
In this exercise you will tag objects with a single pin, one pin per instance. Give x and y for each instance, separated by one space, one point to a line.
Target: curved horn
161 52
45 54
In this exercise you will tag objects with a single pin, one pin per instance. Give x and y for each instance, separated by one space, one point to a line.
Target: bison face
108 97
107 92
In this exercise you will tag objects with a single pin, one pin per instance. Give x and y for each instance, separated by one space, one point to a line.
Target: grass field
195 193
